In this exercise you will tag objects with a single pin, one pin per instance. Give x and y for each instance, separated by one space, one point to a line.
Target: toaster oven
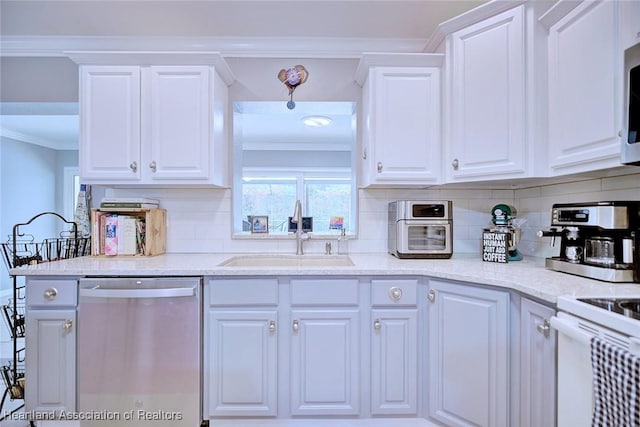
420 229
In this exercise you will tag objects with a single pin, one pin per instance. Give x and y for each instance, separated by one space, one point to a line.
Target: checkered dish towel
616 385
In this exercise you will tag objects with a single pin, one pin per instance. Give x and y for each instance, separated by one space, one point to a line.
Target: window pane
275 199
326 199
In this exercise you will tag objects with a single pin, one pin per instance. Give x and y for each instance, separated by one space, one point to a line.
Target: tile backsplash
199 220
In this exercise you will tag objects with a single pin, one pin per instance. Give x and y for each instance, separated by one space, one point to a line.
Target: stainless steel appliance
139 351
615 320
630 150
420 229
600 240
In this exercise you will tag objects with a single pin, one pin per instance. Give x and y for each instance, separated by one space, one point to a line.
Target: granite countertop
528 276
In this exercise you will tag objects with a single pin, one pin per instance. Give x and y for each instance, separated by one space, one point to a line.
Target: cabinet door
537 365
109 139
403 132
325 362
584 89
242 355
629 23
394 362
179 108
50 365
468 355
486 124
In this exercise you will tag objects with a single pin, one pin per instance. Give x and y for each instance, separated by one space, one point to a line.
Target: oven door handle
570 330
98 292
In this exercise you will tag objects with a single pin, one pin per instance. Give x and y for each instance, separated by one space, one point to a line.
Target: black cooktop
629 307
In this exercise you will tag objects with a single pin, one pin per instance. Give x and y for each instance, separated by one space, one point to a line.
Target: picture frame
259 223
307 225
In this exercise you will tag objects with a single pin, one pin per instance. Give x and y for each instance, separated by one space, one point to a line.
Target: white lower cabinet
537 365
372 347
325 347
325 362
468 355
394 347
50 364
394 362
241 348
244 363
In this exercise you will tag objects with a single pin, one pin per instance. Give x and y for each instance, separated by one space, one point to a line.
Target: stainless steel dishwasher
139 352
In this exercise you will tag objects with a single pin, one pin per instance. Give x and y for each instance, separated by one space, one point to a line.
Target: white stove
613 319
622 314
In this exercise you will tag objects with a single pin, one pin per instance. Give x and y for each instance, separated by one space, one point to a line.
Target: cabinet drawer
325 292
243 292
394 292
52 292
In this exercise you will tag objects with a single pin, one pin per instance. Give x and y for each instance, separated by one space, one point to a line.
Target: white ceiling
231 27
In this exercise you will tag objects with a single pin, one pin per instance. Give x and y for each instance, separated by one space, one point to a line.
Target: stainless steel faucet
297 219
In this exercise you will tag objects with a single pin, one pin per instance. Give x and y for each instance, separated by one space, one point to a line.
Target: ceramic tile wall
199 220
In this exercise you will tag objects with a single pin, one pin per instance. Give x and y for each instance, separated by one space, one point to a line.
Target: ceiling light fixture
316 121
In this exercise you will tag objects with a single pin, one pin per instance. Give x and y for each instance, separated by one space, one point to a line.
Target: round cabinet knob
395 293
272 326
68 325
379 167
455 164
377 325
133 166
152 166
50 294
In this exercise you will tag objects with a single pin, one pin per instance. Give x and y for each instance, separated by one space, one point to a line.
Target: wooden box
112 228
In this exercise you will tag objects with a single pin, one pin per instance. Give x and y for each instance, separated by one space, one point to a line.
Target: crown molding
229 47
35 140
154 58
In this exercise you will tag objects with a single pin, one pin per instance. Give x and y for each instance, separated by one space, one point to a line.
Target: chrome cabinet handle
431 296
50 294
455 164
379 167
544 328
133 166
66 327
272 326
152 166
364 154
395 293
296 326
377 325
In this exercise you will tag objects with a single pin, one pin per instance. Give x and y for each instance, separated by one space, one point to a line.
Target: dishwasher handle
570 330
97 292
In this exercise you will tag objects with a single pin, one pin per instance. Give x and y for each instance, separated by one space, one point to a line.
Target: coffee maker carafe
599 240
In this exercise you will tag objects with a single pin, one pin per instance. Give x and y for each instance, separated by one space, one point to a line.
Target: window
70 192
278 160
322 198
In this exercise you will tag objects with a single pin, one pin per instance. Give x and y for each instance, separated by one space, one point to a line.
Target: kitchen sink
287 261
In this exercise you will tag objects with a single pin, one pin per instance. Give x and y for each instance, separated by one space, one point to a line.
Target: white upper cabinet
629 23
153 125
110 123
585 92
489 116
402 122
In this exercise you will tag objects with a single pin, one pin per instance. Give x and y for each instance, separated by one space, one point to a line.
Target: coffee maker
599 240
